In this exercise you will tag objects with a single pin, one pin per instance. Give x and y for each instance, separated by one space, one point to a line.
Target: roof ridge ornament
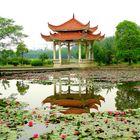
73 16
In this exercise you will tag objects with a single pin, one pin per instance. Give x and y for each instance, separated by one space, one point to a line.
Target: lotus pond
71 105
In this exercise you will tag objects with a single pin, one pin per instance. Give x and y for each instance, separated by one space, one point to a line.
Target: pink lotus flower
35 136
1 121
117 113
47 121
66 121
30 123
122 113
39 115
33 112
117 118
106 121
134 130
63 136
125 121
75 133
110 112
130 110
122 119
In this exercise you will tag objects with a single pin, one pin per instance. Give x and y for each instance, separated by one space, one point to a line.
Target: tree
10 33
43 56
21 49
108 50
98 53
104 51
5 56
127 40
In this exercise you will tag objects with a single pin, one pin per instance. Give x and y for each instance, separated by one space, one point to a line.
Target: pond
79 92
108 103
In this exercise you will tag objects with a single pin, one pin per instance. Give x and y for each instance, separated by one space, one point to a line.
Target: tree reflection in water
22 87
5 83
127 96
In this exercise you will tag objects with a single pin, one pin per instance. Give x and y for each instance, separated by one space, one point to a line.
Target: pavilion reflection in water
76 94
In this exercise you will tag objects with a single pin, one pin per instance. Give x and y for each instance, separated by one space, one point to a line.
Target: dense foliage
6 56
123 47
10 33
127 41
36 62
104 51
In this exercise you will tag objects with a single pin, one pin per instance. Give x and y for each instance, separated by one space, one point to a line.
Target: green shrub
2 61
10 61
15 63
25 61
36 62
49 62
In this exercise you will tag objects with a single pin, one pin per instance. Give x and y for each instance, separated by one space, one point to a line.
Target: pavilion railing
84 61
72 61
56 61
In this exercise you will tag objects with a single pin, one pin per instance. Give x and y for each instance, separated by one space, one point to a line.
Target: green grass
94 65
23 66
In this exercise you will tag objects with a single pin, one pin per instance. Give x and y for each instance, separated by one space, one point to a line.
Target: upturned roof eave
67 26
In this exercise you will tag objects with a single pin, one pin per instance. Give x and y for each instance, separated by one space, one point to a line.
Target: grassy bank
123 65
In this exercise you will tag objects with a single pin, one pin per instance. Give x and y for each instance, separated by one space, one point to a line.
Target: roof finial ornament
73 15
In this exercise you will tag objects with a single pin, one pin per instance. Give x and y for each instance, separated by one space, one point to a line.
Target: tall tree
10 33
98 53
108 49
21 49
127 40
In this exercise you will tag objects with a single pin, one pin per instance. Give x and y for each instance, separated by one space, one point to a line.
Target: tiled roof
93 29
73 30
70 25
67 36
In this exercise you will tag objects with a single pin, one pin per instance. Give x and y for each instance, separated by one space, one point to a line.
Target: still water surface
109 95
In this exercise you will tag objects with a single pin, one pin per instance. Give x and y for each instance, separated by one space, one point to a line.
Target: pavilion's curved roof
101 37
70 25
93 29
67 36
73 30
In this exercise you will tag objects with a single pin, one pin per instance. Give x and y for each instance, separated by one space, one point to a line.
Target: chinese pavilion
70 33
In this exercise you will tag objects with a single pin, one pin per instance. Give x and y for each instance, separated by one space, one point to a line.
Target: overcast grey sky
34 15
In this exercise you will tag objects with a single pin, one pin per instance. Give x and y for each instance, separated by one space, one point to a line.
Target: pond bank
7 71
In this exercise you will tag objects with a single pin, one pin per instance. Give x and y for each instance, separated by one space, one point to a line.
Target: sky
34 15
